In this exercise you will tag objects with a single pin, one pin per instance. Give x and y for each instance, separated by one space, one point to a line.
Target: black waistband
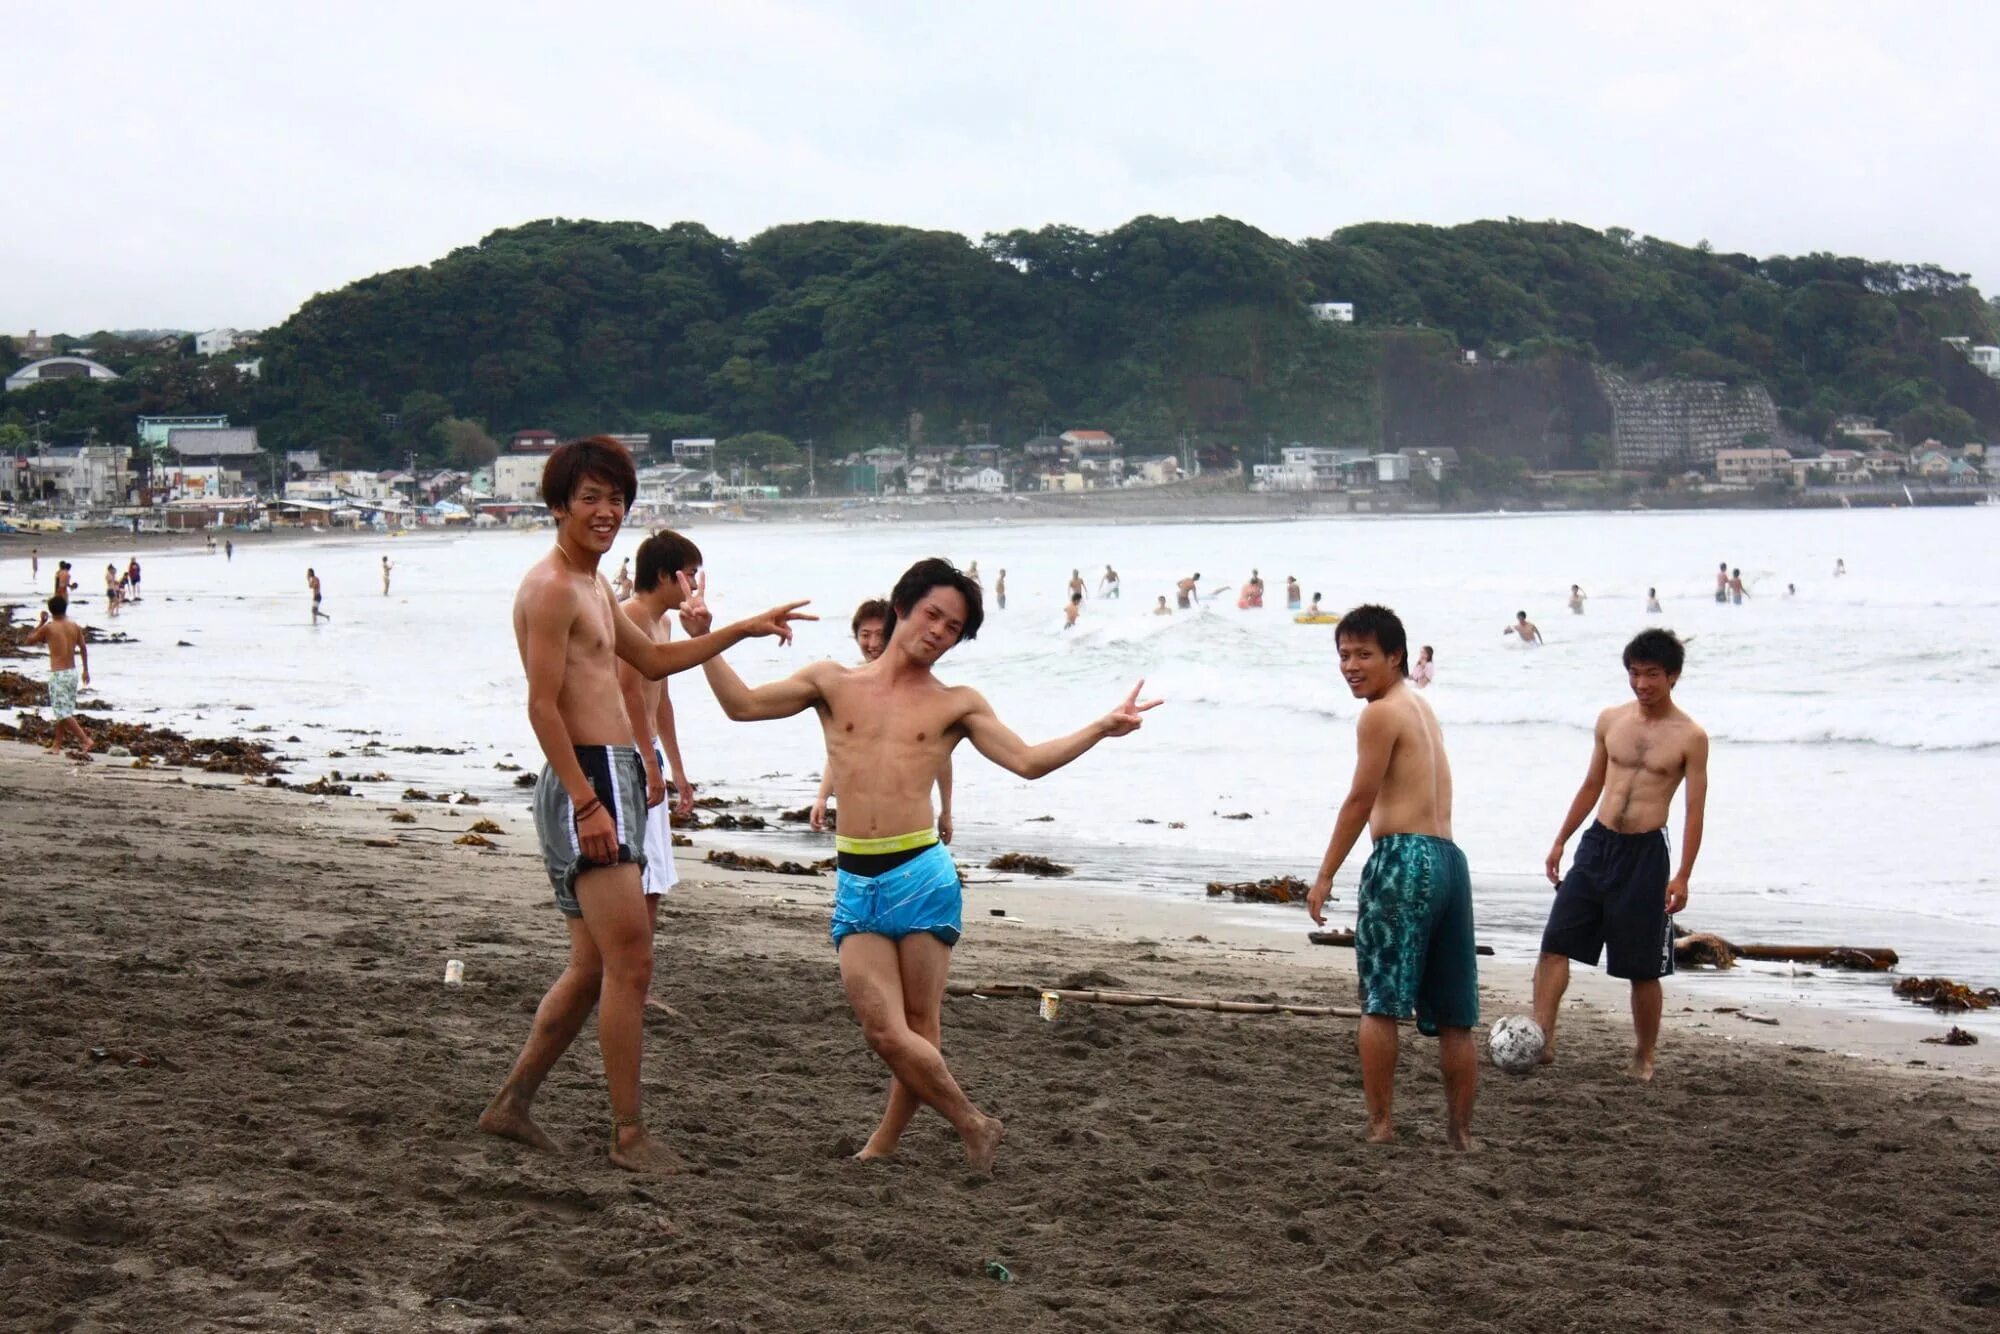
875 863
1603 830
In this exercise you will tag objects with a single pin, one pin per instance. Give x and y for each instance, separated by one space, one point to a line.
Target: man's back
1415 796
62 635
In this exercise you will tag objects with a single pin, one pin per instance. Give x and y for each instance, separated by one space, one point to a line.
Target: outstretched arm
1586 798
753 704
1374 743
655 660
1000 744
1697 816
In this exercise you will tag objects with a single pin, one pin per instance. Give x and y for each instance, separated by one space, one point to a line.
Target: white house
1392 467
986 481
1158 471
1987 359
1333 312
58 368
919 478
1097 447
694 452
215 342
83 476
518 477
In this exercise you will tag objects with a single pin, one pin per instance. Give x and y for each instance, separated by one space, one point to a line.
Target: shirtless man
1722 582
65 582
1652 602
1076 583
312 582
590 801
1736 590
1291 593
1000 589
871 623
1576 599
668 567
66 649
1072 611
896 910
1523 627
111 596
1187 588
1163 609
1107 587
1618 894
1413 943
622 585
386 567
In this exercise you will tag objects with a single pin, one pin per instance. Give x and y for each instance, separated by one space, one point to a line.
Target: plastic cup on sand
454 972
1051 1005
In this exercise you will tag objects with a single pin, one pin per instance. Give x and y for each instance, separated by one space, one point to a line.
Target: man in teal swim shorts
1413 945
890 727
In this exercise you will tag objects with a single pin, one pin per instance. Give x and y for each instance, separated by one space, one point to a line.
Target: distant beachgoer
1252 594
1736 590
132 573
622 585
35 563
1839 567
871 623
211 543
1291 593
1163 609
67 648
228 549
64 581
386 567
1722 582
898 906
1107 587
1413 945
1076 582
1314 609
972 572
1653 601
1187 588
1072 610
312 582
1000 589
111 594
1424 670
589 800
1525 628
1791 590
1576 599
1618 895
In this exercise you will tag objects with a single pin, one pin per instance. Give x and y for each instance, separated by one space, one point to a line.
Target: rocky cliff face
1681 423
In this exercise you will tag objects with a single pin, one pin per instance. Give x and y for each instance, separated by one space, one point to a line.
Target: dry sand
278 1131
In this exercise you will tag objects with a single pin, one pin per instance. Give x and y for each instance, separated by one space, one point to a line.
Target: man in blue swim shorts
1413 946
890 727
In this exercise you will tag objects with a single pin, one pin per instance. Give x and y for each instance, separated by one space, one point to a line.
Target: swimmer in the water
1071 611
1525 628
1291 593
1576 599
1163 609
1652 601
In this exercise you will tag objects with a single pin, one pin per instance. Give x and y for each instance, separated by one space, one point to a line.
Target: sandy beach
234 1093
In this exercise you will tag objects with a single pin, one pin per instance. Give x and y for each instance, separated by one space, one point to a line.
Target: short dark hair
1659 648
874 609
1372 621
597 456
1520 615
937 572
58 605
663 554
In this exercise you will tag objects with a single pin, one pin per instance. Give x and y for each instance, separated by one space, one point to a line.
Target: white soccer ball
1515 1043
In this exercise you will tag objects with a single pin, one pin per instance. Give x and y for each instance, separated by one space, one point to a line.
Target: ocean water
1856 725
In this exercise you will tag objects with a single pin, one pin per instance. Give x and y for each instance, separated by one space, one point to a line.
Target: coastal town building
1985 358
694 452
518 477
983 481
34 345
214 342
1752 467
1332 312
58 368
207 462
533 441
81 477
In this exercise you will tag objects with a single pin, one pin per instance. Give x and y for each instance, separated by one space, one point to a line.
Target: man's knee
629 963
884 1032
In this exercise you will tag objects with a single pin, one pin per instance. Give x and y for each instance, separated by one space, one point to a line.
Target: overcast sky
193 165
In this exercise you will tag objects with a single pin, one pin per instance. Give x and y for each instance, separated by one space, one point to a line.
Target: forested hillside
841 331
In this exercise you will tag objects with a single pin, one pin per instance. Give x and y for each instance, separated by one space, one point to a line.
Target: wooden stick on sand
1026 991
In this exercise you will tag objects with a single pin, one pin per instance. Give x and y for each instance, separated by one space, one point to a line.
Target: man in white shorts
667 566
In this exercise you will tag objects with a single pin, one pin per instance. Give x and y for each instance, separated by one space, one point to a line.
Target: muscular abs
885 748
1644 764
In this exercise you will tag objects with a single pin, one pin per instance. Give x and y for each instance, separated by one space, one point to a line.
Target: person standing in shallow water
590 799
312 584
67 648
1413 941
1618 899
898 905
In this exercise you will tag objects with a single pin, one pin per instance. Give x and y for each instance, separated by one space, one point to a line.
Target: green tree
757 449
466 442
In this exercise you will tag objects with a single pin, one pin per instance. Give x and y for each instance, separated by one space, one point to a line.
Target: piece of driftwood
1027 991
1869 958
1345 940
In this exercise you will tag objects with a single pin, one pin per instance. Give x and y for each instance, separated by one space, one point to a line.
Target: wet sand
278 1132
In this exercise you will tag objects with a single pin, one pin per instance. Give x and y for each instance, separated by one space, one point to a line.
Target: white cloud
217 164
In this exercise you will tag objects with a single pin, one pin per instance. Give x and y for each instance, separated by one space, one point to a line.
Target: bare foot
636 1151
1381 1134
982 1143
655 1003
1460 1139
871 1151
1548 1056
508 1120
1641 1069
